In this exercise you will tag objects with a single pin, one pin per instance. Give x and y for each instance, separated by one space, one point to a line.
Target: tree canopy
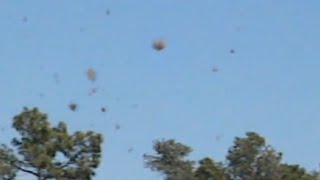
170 160
250 158
48 152
53 153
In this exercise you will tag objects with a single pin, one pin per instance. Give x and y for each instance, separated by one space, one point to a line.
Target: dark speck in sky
159 45
93 91
81 29
215 69
56 78
91 74
117 127
103 109
219 137
73 106
130 149
25 19
41 95
135 106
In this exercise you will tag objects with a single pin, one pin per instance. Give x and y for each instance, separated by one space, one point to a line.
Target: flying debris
25 19
117 127
215 69
130 149
73 106
159 45
92 91
134 106
103 109
219 137
56 78
91 74
41 95
232 51
107 12
81 29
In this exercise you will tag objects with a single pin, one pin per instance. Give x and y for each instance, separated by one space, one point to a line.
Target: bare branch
25 170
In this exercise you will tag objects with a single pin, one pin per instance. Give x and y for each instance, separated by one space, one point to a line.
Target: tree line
39 148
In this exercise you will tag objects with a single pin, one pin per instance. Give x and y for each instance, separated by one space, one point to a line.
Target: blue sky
269 85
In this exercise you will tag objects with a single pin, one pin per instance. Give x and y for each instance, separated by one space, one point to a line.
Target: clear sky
269 85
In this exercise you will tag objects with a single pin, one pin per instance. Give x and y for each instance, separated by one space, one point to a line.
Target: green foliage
295 172
250 158
40 146
267 166
170 160
53 153
210 169
7 172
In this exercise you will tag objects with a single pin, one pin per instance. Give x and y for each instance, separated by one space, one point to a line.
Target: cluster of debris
157 45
